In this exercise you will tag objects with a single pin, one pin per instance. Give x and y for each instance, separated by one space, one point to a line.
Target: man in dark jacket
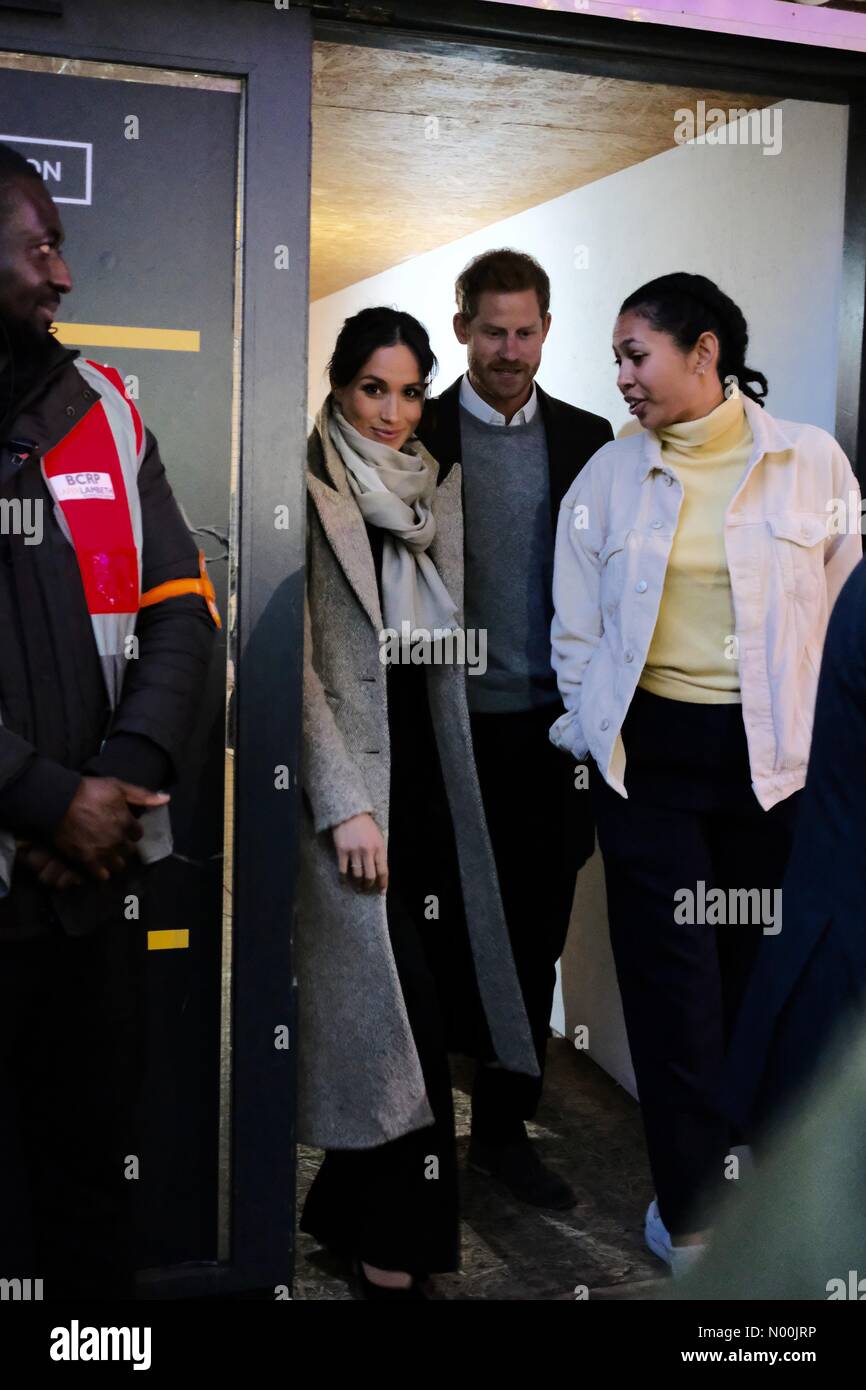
520 450
76 766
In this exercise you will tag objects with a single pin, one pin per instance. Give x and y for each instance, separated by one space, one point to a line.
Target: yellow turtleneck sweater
692 656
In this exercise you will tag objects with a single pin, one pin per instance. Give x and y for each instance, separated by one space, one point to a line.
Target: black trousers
540 825
682 980
71 1061
396 1205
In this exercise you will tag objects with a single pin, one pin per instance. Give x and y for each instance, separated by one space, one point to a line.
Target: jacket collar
447 408
488 414
561 435
440 426
55 401
768 436
335 468
442 434
54 357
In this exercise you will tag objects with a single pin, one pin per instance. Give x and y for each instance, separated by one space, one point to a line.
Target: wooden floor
589 1129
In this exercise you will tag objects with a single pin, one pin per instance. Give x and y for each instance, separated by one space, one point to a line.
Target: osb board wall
413 151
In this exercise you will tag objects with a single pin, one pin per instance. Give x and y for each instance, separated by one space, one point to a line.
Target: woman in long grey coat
395 853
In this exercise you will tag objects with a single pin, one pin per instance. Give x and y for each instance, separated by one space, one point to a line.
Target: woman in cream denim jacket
696 565
786 563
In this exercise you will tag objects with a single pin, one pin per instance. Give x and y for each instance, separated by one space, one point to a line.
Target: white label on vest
78 487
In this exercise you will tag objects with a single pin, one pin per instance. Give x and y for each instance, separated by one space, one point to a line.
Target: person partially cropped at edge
695 572
93 728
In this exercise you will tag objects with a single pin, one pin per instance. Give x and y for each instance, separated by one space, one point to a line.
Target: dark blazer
573 436
810 979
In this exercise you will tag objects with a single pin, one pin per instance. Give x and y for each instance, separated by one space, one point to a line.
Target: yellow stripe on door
112 335
177 940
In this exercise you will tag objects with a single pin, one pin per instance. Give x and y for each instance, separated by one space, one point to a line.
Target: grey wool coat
360 1081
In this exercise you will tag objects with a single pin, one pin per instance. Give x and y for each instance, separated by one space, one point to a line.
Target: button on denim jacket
792 537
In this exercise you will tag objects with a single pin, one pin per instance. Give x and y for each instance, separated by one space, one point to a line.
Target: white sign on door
65 165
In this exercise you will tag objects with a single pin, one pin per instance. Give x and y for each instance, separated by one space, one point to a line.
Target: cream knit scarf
393 489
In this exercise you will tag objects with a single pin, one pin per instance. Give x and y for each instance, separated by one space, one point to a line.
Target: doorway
428 152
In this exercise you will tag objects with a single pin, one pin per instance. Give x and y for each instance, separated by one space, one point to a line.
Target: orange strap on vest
174 587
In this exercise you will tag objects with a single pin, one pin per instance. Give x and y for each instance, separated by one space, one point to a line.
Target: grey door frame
270 49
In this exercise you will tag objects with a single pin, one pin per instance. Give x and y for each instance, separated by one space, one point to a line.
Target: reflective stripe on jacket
92 476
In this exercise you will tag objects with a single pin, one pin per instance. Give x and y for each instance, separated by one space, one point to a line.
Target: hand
99 831
51 871
362 859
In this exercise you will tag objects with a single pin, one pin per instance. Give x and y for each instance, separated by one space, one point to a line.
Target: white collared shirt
471 401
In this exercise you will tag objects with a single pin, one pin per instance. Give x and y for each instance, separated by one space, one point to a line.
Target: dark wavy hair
365 332
685 306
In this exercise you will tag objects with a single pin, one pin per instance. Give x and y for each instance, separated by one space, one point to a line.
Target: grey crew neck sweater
509 561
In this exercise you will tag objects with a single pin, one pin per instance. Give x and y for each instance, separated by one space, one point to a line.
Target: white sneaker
679 1258
656 1233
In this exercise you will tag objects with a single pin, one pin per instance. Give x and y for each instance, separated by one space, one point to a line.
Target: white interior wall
767 228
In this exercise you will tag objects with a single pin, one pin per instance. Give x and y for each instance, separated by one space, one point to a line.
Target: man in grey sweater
520 450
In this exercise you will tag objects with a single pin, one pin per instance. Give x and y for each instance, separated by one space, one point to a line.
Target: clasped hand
96 836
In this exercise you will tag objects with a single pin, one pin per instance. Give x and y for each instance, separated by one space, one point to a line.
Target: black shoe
374 1292
523 1173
